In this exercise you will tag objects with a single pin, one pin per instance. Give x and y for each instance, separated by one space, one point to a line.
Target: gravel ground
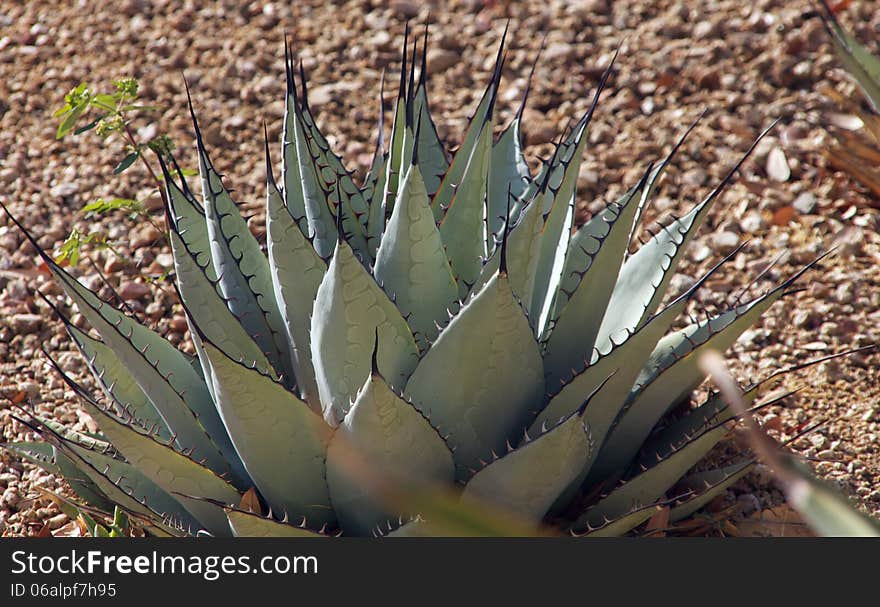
745 64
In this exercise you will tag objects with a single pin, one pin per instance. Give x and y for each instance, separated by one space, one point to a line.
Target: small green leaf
139 108
70 248
105 102
114 204
126 162
78 97
62 110
69 121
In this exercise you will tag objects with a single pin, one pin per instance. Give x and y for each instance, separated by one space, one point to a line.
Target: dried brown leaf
250 502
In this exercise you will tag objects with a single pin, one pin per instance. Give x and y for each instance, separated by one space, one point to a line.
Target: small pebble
133 290
26 323
777 165
805 203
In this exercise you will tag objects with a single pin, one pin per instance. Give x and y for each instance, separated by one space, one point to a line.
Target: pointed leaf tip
303 82
375 357
288 69
401 92
410 95
423 69
502 261
192 113
530 79
415 152
270 177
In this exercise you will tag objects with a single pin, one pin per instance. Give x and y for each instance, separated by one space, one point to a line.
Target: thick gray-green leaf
168 468
376 218
508 175
242 270
135 483
527 480
454 177
559 178
96 484
644 277
553 248
409 142
198 286
91 441
523 248
187 215
432 154
376 225
36 452
336 180
705 486
411 265
649 485
281 441
713 411
482 378
463 226
671 374
291 164
387 434
81 483
248 524
619 526
117 491
105 459
625 359
203 301
321 218
608 402
297 271
587 240
348 309
161 370
599 248
115 380
620 363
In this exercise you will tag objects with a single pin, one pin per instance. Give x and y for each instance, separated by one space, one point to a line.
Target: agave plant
441 325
